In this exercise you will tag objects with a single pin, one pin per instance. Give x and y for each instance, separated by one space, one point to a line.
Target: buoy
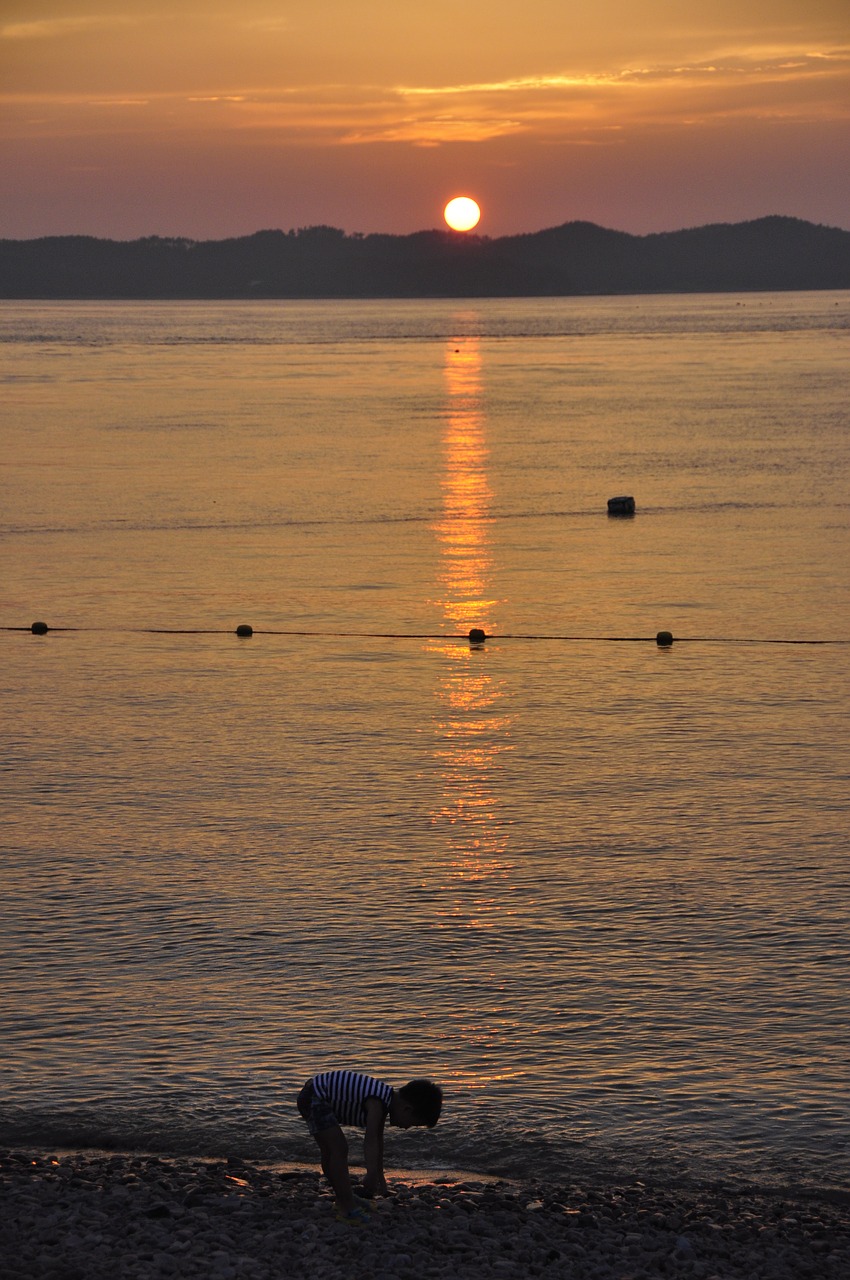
622 506
244 630
664 639
477 636
39 628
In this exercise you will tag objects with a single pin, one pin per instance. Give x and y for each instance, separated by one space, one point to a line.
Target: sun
462 213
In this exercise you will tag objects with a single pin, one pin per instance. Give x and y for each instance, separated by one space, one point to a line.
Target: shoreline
92 1215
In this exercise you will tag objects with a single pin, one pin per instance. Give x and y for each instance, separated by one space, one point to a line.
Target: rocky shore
87 1216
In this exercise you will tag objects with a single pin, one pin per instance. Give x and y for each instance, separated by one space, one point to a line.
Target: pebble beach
92 1215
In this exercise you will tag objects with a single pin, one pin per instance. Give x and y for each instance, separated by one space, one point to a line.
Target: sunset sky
208 119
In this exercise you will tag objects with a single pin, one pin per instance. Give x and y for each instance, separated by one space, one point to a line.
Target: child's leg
334 1151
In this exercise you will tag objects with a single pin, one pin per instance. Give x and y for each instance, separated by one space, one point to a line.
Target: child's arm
374 1184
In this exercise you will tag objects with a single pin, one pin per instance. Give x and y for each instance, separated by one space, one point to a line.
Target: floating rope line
676 639
664 639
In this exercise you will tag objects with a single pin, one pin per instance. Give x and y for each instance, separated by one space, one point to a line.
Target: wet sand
92 1215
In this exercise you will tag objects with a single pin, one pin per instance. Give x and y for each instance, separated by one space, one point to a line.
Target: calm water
596 888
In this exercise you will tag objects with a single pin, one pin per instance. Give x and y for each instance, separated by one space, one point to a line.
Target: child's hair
425 1098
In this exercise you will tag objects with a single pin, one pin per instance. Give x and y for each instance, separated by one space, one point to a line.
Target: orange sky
175 117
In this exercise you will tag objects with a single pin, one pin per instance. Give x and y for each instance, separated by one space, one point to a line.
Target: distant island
772 253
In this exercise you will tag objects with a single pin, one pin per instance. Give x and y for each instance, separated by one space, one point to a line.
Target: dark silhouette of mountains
323 262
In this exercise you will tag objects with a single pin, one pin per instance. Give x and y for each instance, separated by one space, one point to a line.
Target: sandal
355 1217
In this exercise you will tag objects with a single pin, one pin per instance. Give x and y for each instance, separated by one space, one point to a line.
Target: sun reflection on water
463 530
472 724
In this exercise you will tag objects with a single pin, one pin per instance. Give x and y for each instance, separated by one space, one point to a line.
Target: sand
91 1215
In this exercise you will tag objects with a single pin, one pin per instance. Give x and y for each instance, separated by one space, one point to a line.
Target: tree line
772 253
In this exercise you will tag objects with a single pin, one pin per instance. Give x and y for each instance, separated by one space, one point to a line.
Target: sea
594 885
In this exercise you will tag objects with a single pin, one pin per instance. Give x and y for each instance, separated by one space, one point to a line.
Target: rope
664 639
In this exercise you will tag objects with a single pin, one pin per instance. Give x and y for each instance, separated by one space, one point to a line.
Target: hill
323 262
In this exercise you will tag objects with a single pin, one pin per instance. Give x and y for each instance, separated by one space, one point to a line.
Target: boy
334 1098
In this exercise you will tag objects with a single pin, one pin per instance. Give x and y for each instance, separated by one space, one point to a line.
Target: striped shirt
347 1093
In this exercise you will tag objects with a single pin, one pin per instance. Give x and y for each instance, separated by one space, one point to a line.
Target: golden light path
471 724
472 727
466 744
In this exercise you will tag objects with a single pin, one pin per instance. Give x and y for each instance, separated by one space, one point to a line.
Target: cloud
771 64
762 83
58 28
781 84
267 25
